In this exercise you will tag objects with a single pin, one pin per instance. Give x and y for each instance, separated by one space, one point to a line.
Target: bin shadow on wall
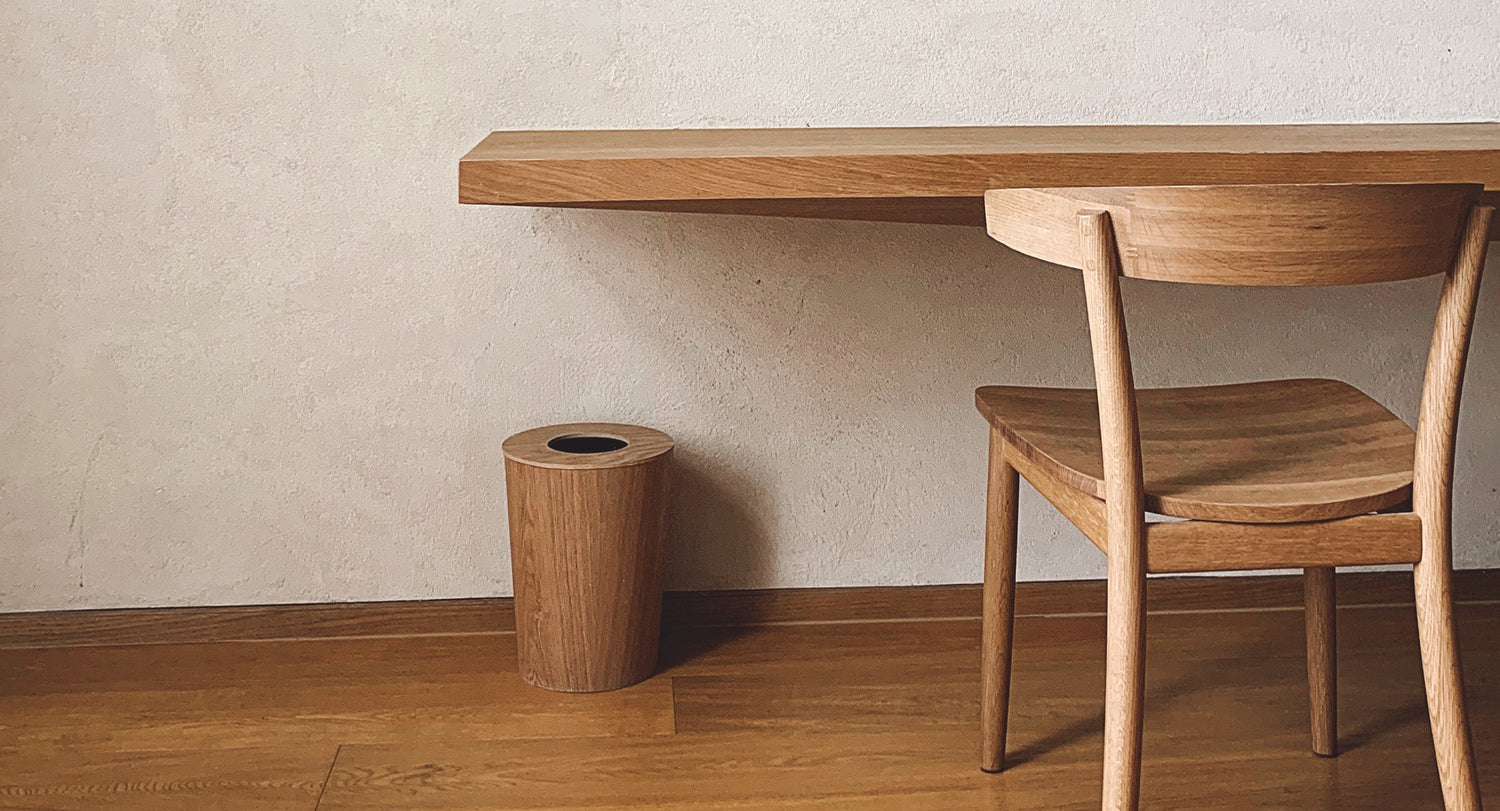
715 525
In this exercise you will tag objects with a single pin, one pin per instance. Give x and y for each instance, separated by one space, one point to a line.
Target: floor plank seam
672 687
327 778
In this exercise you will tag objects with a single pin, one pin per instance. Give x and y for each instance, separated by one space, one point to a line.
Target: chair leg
1445 686
1124 681
1322 659
999 604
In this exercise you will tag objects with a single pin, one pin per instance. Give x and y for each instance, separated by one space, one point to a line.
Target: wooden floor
830 714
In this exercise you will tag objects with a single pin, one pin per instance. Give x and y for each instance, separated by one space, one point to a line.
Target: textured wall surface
251 350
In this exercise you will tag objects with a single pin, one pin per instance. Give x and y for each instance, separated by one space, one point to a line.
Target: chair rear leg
1445 686
1124 682
1322 659
999 604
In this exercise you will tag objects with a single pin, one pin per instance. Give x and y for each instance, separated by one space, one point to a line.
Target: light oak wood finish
964 211
968 211
1432 500
1336 451
937 174
1124 512
1181 547
1322 659
587 539
1271 474
534 447
1085 510
999 601
1246 235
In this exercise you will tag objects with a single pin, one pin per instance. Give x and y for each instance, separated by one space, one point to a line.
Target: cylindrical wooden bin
588 507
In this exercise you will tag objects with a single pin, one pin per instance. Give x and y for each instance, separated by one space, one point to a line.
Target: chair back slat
1287 235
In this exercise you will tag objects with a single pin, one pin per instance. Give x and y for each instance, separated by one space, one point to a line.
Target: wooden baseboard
149 626
143 626
1190 593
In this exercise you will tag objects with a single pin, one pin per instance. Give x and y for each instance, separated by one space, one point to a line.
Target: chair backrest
1247 235
1259 235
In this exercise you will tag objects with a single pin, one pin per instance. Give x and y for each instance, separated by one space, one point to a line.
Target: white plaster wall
251 350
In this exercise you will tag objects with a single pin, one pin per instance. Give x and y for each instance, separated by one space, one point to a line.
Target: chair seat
1275 451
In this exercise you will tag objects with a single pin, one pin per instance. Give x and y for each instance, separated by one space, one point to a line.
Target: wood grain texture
358 705
999 603
193 667
1432 500
967 211
1176 547
256 694
584 167
1322 659
1287 235
964 211
1271 451
740 771
588 540
642 446
946 648
870 771
827 714
686 609
1268 689
286 776
1300 474
1124 511
1084 510
128 626
877 715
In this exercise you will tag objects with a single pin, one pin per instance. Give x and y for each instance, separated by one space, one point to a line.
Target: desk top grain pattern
939 174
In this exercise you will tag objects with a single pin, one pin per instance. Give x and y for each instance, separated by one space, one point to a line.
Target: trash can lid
587 445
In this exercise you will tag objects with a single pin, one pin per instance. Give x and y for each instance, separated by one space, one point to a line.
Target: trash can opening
582 443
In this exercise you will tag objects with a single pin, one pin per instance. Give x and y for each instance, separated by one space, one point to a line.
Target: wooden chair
1310 474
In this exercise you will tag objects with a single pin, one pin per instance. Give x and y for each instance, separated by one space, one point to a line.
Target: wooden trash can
588 506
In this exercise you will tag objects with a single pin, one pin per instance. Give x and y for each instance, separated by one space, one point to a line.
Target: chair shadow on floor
1397 716
1159 696
1079 730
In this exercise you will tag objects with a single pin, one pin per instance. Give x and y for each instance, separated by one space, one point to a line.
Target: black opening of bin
582 443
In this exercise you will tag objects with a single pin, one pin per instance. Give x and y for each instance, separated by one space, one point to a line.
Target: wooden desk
939 174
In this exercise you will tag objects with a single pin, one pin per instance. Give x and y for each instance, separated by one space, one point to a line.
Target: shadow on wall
818 377
822 375
717 528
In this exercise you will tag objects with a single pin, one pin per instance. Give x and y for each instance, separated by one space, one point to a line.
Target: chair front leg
999 604
1322 659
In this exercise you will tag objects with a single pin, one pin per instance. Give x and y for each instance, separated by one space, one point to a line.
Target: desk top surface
938 174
